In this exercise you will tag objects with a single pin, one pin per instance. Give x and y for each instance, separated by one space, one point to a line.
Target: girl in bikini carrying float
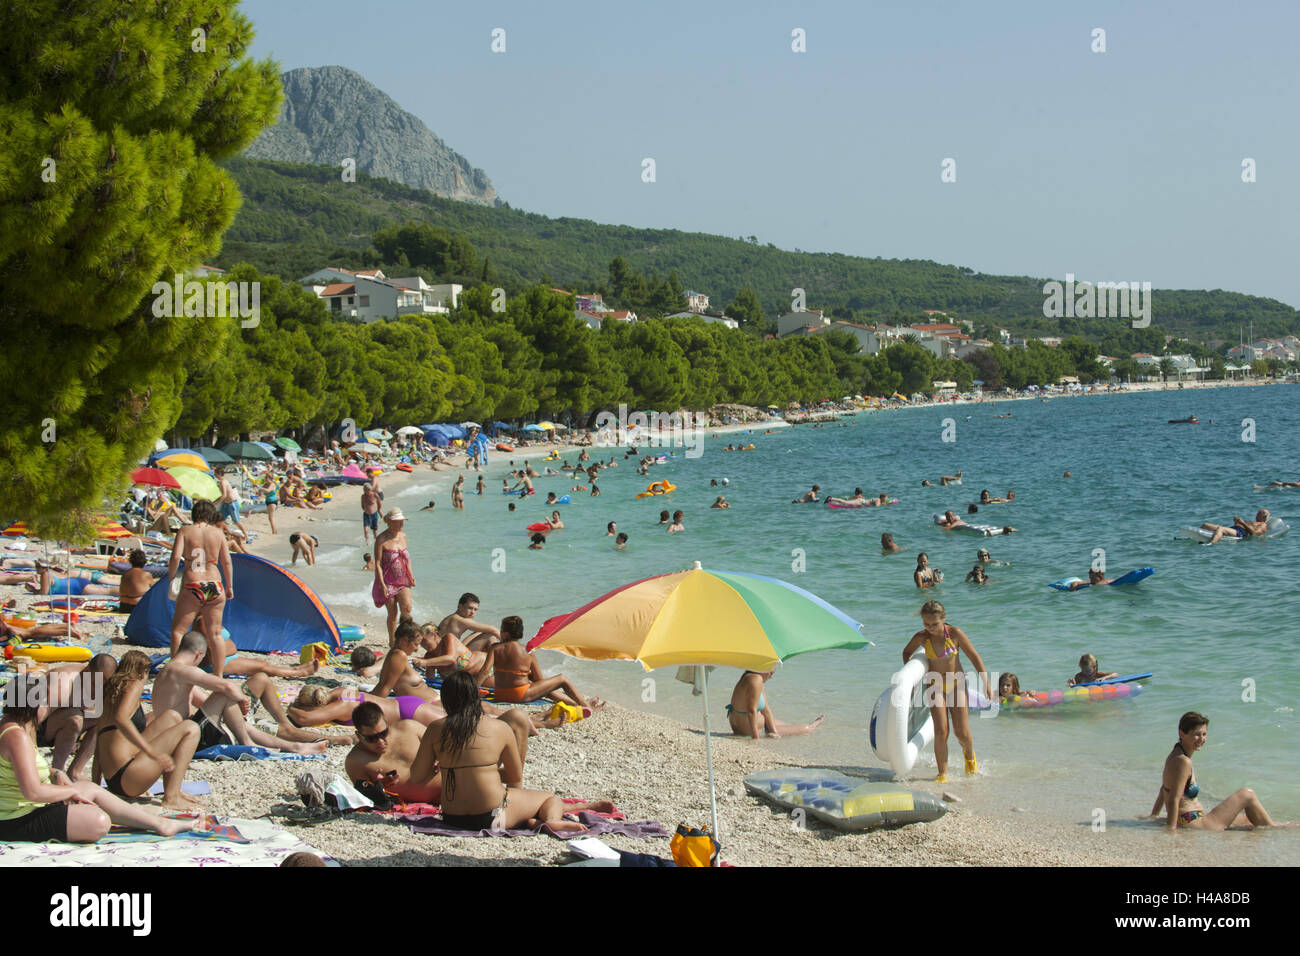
945 682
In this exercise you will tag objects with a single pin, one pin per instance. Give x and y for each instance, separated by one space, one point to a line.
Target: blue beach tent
273 610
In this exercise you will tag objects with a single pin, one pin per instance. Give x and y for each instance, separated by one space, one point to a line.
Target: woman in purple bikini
316 705
393 575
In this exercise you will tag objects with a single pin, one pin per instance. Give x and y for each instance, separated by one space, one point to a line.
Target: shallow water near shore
1216 624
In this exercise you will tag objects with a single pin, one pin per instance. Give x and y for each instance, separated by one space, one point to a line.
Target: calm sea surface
1218 625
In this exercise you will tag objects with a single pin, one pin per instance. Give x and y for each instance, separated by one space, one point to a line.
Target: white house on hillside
697 301
369 295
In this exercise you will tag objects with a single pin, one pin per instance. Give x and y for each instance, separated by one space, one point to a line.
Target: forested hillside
297 218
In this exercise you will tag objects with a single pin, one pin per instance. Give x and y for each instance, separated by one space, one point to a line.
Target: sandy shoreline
654 768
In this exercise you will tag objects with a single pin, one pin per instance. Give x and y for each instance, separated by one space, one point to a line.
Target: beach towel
266 845
215 833
241 752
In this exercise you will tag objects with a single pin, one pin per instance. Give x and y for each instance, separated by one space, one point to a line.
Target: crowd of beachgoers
442 713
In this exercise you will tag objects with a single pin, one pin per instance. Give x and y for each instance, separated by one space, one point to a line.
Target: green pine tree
113 117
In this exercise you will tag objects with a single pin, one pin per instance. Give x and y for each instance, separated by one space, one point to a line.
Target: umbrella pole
708 747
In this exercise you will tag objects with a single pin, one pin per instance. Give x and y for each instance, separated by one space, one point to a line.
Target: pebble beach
654 768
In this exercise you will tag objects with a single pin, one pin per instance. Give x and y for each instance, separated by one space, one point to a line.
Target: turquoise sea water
1214 623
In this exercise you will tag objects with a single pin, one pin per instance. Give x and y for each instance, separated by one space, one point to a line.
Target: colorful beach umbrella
546 426
364 448
153 478
195 483
408 430
241 450
108 528
698 616
181 459
534 428
702 617
377 434
288 444
16 530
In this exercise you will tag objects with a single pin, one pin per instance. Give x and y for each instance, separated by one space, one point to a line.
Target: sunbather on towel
482 769
84 582
132 759
225 703
317 705
38 804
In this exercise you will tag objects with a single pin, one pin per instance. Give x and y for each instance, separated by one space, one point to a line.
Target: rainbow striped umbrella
702 617
699 617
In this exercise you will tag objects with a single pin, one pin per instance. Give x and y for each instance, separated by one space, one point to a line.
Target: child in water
1089 672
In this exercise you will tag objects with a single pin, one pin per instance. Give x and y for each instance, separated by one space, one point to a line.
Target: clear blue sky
1123 165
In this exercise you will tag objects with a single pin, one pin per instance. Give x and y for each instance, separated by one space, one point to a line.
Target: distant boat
1184 421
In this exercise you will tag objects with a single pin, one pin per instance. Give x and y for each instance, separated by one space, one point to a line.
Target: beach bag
694 847
318 788
319 651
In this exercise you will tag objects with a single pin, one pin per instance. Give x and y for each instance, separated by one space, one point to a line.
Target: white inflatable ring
897 732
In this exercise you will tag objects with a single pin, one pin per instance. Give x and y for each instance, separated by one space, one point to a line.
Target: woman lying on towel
316 705
478 757
132 760
36 811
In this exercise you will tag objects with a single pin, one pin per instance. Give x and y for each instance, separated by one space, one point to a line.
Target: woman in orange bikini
207 559
946 683
519 677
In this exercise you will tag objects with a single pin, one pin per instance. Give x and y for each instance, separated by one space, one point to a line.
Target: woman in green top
36 811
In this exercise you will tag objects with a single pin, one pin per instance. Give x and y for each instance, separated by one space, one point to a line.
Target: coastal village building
697 302
369 295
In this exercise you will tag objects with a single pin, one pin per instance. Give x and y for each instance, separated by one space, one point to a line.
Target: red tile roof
339 288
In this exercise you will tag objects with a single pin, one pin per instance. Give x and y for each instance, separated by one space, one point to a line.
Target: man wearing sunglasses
384 752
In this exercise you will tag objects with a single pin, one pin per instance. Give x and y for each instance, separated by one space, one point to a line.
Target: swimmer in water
857 499
808 496
1094 577
1088 672
620 543
925 576
976 575
887 545
1240 528
950 521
